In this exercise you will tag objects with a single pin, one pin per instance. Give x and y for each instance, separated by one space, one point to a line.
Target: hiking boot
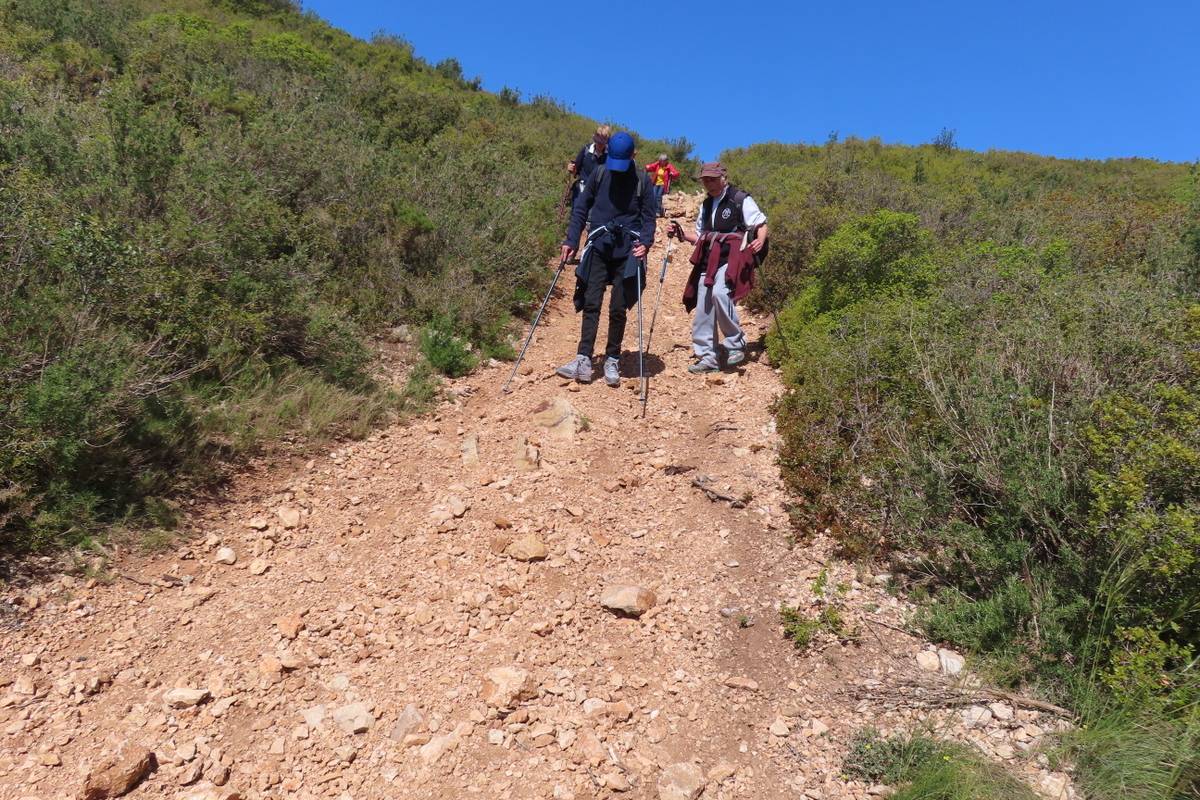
702 369
579 369
735 357
612 372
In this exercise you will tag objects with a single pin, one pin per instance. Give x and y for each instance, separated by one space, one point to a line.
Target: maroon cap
713 169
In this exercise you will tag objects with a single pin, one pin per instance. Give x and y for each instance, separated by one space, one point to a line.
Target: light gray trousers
715 310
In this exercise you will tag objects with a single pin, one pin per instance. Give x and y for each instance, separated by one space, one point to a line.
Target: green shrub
446 352
925 769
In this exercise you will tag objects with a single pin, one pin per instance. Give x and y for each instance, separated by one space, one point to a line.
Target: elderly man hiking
730 233
617 204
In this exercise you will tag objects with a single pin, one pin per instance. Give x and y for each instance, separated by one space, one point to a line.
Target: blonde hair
604 130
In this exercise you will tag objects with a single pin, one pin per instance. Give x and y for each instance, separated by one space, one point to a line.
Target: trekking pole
662 276
641 349
561 263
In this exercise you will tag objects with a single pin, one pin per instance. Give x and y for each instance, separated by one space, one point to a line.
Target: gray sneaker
703 369
735 357
579 369
612 372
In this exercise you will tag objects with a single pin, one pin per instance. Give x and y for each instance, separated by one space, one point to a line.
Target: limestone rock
559 418
226 556
411 720
1001 711
683 781
258 566
117 775
183 697
631 600
780 728
527 457
354 718
951 662
527 548
976 716
505 687
470 451
210 792
738 682
928 661
289 517
290 625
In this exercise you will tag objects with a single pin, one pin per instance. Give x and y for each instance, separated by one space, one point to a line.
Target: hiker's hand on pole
567 253
756 245
639 251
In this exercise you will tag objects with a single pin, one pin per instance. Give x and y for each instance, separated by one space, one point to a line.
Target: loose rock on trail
522 595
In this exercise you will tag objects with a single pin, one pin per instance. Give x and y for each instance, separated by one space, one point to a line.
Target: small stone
816 728
258 566
24 685
976 717
183 697
354 718
630 600
49 760
411 720
721 772
496 736
289 517
951 662
258 524
928 661
290 625
31 659
527 548
1001 711
1054 785
1005 751
506 687
432 751
616 781
456 507
749 684
117 775
226 556
779 727
683 781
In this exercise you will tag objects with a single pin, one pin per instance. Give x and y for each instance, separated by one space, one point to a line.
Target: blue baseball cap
620 152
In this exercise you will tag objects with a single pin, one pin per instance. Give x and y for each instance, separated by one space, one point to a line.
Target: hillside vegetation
206 208
993 372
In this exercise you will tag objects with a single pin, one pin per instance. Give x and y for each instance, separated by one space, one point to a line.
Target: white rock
505 687
631 600
354 718
1001 711
183 697
928 661
951 662
226 556
976 717
683 781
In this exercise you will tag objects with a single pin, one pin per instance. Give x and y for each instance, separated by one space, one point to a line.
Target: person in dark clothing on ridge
617 203
590 156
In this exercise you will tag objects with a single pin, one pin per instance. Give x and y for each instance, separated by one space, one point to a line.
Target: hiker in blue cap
617 203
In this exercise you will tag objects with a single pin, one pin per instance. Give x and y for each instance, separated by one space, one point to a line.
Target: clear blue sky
1068 78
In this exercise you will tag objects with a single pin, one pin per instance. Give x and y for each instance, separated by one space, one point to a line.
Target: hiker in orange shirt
661 172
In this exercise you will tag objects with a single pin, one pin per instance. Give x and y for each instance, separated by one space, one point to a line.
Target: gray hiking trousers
715 311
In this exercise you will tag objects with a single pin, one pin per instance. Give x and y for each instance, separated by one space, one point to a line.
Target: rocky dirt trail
531 595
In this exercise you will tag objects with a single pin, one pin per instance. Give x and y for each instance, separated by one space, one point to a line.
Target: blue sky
1075 79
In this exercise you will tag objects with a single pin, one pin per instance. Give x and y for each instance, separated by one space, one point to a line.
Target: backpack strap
601 171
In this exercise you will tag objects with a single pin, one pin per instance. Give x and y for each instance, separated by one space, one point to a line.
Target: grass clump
923 768
802 630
